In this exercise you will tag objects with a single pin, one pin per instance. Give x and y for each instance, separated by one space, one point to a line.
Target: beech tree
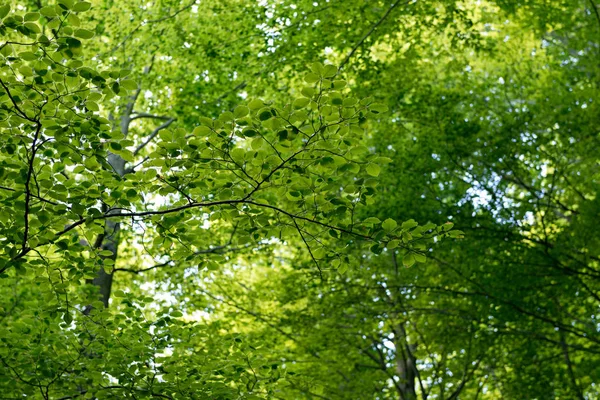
88 196
231 199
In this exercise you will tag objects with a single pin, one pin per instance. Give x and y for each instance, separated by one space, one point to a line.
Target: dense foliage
337 199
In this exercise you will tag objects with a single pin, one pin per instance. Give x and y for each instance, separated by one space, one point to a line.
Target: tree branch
152 21
595 8
34 148
138 115
308 248
366 35
214 250
109 215
15 105
565 349
153 135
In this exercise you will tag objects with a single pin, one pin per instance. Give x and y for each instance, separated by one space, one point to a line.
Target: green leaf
447 226
257 143
392 244
33 27
378 108
207 121
311 77
383 160
202 131
4 10
115 146
300 103
129 84
317 68
349 102
373 169
249 132
308 91
329 71
238 155
408 260
294 195
339 84
92 106
371 221
255 104
66 4
456 234
33 16
48 11
241 111
227 116
265 114
420 258
337 101
389 225
411 223
376 249
82 6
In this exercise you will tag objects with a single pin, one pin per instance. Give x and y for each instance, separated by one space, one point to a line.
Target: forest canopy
299 199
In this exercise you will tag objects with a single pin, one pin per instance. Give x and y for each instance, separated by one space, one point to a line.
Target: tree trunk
406 364
109 240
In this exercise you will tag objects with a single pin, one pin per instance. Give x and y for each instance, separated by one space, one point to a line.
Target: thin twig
366 35
138 115
153 135
152 21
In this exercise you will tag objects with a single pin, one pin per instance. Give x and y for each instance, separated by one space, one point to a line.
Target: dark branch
153 135
366 35
152 21
34 149
138 115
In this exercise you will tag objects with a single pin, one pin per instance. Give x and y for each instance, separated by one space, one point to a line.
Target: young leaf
373 169
389 225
